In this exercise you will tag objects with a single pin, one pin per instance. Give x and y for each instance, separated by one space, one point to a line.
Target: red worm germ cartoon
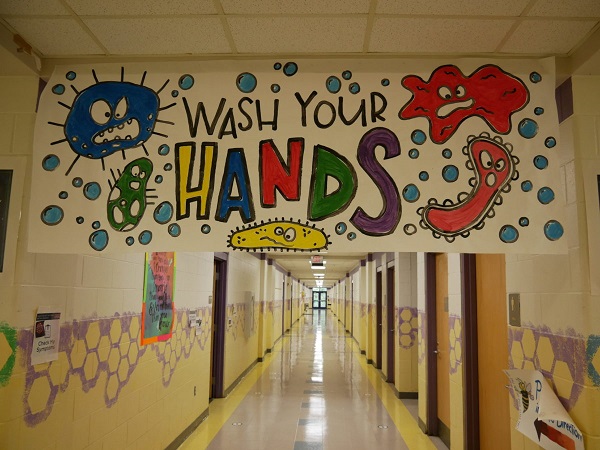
449 97
495 168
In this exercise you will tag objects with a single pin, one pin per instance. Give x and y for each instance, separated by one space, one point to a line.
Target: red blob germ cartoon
449 97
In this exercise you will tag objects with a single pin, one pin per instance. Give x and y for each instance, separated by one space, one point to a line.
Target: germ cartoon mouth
274 241
447 109
125 131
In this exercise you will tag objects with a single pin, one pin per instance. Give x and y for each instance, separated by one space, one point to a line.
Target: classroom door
443 347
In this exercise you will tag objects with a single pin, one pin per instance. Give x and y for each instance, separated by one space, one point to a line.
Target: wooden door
492 354
391 341
443 346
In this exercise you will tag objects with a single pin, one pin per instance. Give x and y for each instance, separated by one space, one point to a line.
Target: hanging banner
46 336
158 307
542 418
355 155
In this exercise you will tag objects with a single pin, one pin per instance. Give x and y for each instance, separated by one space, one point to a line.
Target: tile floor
314 392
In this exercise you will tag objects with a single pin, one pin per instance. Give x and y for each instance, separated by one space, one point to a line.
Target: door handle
436 352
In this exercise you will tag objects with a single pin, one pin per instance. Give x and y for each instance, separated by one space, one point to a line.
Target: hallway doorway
378 318
218 327
319 298
391 342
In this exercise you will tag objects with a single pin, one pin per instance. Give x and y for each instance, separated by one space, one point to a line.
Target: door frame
379 318
431 427
219 311
470 378
391 341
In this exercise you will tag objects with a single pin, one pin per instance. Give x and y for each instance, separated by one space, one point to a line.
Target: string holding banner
256 156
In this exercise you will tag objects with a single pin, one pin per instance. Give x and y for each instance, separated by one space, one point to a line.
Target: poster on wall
267 155
158 307
542 418
46 336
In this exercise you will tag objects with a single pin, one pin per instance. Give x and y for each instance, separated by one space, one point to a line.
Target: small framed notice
46 336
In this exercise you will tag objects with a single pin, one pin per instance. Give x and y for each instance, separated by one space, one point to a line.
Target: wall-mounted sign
46 336
357 155
158 307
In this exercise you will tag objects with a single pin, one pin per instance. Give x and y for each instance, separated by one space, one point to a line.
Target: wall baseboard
408 395
188 431
238 379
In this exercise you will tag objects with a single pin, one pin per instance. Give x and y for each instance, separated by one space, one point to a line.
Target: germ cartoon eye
445 93
460 91
135 171
121 108
500 165
100 112
278 231
485 159
290 234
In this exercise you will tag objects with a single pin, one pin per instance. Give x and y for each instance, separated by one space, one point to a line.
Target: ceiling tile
295 7
193 35
297 34
547 36
453 7
141 7
566 8
32 7
55 37
437 35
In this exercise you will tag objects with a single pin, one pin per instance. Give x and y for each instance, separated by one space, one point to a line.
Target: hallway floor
315 391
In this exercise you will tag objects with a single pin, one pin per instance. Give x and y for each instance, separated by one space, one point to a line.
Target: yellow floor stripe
402 418
221 409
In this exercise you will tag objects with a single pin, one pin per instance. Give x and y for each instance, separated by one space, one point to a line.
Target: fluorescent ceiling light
317 267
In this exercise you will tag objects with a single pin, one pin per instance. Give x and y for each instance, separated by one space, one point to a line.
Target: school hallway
315 391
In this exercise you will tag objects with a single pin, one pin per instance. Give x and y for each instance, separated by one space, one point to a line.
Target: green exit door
319 299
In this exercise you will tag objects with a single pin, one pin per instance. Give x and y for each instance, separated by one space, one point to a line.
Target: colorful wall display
158 307
361 155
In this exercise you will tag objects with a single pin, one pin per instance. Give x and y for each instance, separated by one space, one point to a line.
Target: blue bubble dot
333 84
79 220
411 193
186 82
99 240
447 153
290 68
168 167
418 137
163 212
524 221
52 215
553 230
351 236
450 173
275 88
158 179
277 66
71 75
92 190
129 241
528 128
205 229
526 186
145 237
545 195
246 82
354 88
509 234
340 228
50 162
346 75
423 176
413 153
174 93
385 82
538 111
540 162
77 182
535 77
550 142
58 89
174 230
95 224
163 150
63 194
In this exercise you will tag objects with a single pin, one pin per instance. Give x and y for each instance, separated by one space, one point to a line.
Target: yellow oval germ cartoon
279 234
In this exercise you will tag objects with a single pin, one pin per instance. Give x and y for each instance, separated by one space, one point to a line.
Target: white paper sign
46 336
542 418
